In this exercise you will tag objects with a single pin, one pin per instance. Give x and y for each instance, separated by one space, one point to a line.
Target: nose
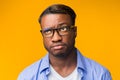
56 37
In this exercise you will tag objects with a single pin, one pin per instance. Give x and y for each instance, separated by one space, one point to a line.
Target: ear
75 30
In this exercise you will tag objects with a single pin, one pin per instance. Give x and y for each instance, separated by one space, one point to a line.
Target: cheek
70 40
46 42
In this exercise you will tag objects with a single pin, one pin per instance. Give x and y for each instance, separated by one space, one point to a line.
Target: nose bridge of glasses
56 30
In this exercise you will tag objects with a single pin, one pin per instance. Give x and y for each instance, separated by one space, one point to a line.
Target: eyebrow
45 29
59 25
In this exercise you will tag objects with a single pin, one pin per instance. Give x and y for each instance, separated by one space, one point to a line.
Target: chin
59 54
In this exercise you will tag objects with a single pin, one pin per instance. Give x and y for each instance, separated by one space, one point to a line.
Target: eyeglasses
64 30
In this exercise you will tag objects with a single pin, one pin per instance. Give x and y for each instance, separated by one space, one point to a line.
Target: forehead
53 20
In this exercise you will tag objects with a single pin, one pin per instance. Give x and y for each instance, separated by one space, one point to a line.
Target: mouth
58 47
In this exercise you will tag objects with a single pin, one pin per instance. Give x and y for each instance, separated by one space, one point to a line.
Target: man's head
58 30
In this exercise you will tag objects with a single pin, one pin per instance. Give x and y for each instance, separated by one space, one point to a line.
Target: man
63 61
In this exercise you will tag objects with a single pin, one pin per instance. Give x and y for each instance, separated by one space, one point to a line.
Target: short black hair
59 9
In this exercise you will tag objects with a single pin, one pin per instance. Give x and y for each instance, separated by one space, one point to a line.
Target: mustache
57 44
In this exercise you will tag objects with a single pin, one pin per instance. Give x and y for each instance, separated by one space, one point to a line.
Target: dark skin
61 48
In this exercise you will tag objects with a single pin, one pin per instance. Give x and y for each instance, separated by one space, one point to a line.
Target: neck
65 62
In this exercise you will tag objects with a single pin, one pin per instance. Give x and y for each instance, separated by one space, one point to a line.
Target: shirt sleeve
106 76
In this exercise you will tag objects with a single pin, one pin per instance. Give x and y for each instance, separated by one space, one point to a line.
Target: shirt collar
80 62
44 63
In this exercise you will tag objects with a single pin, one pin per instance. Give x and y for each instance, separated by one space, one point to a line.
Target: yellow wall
98 36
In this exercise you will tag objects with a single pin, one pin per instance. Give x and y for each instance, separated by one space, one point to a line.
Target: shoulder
97 70
87 63
30 72
93 65
93 69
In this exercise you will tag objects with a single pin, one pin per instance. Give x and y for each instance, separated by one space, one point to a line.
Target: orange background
98 36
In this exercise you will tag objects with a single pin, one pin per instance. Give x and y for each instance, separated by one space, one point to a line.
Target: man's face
58 45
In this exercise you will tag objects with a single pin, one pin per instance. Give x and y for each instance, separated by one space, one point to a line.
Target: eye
49 31
63 29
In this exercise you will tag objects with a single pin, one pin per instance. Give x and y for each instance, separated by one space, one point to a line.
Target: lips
58 46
